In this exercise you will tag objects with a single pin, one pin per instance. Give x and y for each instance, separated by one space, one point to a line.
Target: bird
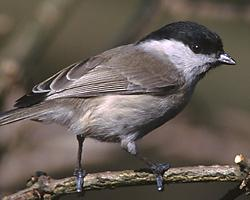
124 93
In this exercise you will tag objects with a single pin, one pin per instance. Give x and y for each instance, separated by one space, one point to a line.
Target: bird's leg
157 168
79 172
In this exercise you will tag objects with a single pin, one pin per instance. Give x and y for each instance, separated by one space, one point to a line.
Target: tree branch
243 187
48 188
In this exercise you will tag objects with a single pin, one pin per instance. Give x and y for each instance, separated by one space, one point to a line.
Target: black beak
224 58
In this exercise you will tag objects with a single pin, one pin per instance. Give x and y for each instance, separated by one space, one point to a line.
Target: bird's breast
118 116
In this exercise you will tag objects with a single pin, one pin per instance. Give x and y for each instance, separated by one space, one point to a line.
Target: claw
159 170
159 183
80 174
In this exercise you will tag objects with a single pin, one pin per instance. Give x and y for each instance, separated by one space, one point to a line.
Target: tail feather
18 114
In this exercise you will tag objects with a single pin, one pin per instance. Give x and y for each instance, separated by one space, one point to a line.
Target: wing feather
110 72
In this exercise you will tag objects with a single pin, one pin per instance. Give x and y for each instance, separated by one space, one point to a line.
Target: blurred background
38 38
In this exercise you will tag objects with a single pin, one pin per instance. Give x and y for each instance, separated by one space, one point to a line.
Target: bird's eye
196 48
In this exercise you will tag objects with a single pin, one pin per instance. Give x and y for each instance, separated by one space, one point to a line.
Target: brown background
212 130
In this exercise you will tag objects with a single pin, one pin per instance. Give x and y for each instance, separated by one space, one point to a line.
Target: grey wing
106 74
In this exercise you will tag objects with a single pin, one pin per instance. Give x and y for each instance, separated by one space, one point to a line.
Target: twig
49 188
243 187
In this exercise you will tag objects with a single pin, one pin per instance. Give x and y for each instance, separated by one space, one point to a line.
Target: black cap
199 38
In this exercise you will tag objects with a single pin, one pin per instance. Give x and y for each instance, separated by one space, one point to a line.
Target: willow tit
124 93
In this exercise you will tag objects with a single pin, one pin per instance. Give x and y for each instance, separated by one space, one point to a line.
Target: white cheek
189 63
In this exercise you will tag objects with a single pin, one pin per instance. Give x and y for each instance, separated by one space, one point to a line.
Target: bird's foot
159 169
79 173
